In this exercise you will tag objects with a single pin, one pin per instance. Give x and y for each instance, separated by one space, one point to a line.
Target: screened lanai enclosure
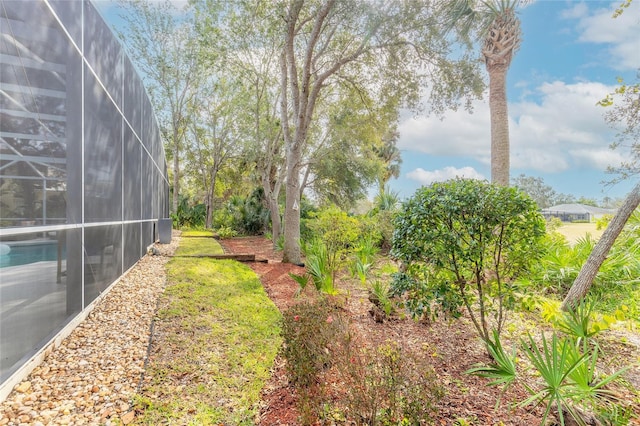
83 177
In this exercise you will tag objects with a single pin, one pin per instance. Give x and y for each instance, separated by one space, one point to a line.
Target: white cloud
426 177
457 133
553 134
596 25
577 11
598 159
561 130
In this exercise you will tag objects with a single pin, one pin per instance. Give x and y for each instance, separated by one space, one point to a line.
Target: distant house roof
577 209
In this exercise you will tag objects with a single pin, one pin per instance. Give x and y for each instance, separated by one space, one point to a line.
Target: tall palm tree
495 24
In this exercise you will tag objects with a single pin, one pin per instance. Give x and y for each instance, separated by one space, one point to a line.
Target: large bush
189 215
462 243
335 228
248 216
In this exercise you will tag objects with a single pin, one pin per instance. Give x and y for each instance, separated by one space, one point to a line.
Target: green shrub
336 229
385 208
307 215
616 283
321 267
384 228
334 237
370 228
553 223
380 294
561 263
363 258
222 218
280 243
462 244
226 232
248 215
603 222
189 215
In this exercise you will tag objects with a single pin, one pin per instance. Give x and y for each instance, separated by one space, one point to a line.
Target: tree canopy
303 94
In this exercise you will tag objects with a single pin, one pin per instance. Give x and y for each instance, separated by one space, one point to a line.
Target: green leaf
503 370
303 280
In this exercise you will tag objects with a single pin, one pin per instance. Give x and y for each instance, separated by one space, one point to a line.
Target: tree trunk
291 252
499 124
210 196
276 223
271 195
589 270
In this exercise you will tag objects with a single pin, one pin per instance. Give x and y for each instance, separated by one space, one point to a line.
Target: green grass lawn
574 231
217 335
192 243
196 233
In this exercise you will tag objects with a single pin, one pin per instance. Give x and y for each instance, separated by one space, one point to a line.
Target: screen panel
132 175
102 259
102 155
133 94
71 160
34 291
132 241
38 130
103 52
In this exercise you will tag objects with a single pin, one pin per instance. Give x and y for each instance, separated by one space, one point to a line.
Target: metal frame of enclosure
83 177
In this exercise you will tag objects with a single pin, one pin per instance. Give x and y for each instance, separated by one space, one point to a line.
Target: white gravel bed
91 378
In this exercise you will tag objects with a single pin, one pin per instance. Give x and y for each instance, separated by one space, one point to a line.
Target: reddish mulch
452 346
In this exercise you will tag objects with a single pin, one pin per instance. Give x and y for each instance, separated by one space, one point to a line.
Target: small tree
463 242
337 233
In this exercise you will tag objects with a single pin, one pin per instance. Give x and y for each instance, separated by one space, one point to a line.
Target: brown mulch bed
452 347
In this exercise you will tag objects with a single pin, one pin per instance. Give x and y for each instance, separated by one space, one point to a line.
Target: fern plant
363 258
319 269
568 380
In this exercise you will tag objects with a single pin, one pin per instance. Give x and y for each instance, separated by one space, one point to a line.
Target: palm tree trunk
499 124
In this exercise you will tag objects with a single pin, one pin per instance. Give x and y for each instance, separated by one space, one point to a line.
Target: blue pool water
22 253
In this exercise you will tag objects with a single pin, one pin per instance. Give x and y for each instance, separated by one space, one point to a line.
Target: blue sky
571 54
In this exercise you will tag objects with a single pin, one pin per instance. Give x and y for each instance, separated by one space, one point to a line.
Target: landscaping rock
93 375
